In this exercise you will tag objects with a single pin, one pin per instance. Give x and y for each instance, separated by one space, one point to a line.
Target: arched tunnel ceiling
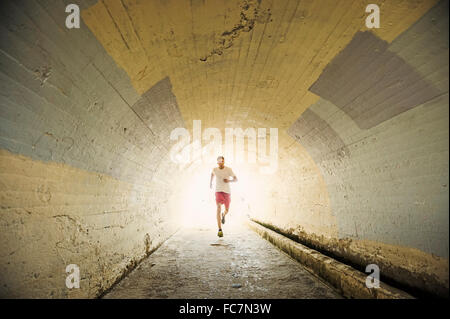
237 63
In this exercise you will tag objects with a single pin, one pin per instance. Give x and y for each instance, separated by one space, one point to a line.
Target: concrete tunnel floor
196 263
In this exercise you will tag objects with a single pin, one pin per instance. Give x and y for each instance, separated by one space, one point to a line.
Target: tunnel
113 113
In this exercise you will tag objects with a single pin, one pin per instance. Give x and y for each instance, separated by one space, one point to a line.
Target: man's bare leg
219 218
223 215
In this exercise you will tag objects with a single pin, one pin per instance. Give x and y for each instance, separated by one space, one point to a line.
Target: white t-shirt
220 174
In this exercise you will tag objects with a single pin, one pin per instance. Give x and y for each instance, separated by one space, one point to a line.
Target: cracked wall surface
85 173
250 15
386 163
101 224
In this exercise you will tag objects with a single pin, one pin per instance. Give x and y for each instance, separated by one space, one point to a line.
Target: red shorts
223 198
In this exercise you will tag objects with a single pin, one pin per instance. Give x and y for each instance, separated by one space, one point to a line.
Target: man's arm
210 181
235 179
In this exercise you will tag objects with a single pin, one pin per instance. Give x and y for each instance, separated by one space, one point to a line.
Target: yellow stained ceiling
261 58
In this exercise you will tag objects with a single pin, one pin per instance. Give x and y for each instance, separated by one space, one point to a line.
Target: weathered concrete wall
85 177
383 153
54 215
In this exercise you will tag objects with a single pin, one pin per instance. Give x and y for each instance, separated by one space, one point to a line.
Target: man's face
220 162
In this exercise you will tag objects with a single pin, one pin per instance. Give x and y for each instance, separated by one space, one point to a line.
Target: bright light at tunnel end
195 199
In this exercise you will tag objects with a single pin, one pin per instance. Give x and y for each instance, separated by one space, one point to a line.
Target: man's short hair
220 157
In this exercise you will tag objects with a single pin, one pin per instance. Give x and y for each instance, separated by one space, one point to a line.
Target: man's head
221 161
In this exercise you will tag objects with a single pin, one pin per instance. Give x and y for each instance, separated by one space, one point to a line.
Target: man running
222 174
